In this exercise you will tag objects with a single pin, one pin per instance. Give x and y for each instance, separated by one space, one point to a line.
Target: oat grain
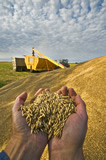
48 113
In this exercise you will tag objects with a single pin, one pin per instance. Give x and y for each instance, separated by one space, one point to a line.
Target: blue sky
72 29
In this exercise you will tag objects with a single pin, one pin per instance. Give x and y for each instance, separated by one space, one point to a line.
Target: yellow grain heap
48 113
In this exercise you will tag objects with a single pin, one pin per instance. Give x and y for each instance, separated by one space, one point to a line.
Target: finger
59 92
81 106
72 93
39 91
64 91
20 100
47 89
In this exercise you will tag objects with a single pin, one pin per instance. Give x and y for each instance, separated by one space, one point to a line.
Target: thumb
20 100
81 106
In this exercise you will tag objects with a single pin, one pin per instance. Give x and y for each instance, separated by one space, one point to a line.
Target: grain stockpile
88 80
48 113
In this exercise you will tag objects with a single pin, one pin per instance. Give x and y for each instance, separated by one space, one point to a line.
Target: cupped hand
69 146
28 146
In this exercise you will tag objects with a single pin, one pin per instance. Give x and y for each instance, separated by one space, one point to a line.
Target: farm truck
35 63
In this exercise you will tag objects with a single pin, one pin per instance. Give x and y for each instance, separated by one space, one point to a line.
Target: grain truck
35 63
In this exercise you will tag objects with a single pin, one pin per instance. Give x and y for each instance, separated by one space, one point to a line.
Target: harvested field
10 75
88 80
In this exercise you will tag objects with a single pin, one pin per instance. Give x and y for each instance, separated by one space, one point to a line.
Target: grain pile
48 113
87 79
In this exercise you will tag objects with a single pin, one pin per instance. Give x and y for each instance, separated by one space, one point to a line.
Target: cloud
70 29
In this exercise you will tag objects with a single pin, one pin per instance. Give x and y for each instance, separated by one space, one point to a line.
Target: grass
7 75
73 64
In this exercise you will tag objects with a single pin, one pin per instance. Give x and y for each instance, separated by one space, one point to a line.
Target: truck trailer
35 63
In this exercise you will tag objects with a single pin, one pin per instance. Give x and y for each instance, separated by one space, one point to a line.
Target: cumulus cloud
72 29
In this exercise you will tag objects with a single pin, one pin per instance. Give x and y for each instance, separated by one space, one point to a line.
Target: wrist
23 148
67 154
78 155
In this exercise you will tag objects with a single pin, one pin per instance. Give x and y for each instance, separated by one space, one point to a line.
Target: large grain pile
48 113
87 79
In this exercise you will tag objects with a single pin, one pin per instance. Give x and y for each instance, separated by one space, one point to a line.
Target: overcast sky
72 29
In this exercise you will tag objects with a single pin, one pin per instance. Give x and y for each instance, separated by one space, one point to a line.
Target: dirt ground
88 80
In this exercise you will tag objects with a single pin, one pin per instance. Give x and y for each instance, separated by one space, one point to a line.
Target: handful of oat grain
48 113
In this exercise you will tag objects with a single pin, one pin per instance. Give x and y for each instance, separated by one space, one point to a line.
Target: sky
69 29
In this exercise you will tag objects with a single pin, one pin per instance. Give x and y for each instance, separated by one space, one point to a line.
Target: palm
71 135
19 123
21 128
73 132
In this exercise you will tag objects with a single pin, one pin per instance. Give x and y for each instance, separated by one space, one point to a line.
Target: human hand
69 147
23 144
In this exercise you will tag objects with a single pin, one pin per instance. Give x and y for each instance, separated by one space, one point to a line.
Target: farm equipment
64 62
19 64
35 63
